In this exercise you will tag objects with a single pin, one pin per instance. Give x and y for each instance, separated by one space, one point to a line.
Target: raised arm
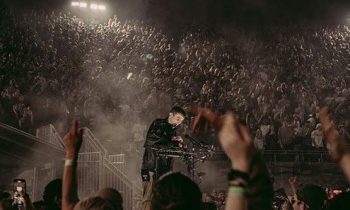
237 145
293 186
336 142
72 141
249 182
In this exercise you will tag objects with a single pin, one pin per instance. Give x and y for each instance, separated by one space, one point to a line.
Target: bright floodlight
82 4
102 7
93 6
75 4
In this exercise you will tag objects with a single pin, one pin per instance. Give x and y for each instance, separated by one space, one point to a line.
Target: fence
296 156
48 134
91 143
42 176
299 155
89 173
96 169
118 161
112 177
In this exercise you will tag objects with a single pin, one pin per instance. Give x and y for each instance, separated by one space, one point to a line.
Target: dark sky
251 11
255 10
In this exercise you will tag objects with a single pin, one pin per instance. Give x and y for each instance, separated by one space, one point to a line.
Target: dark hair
340 202
5 195
52 191
113 196
176 192
312 195
209 206
38 204
178 110
94 203
5 201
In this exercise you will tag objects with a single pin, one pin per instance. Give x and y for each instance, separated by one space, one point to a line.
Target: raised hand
336 142
293 184
72 140
236 142
234 138
292 180
204 114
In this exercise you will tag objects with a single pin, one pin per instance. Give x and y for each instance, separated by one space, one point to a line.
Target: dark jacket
160 133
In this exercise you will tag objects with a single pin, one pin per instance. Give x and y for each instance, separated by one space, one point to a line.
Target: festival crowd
55 65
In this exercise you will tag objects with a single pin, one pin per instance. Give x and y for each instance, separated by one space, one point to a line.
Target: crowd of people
249 184
275 78
55 66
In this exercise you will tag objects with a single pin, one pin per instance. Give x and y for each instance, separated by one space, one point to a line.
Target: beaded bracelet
236 191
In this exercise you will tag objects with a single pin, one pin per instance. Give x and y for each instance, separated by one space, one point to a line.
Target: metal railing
91 143
42 176
113 177
294 156
48 134
89 173
137 198
118 161
96 170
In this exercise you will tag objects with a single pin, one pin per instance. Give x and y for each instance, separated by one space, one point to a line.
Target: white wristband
68 162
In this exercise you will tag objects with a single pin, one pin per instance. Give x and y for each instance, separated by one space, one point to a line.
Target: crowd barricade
118 161
48 134
96 169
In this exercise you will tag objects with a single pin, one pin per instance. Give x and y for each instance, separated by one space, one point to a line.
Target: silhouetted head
53 194
113 196
176 192
339 202
94 203
312 195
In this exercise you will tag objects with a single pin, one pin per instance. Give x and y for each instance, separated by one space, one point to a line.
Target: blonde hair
94 203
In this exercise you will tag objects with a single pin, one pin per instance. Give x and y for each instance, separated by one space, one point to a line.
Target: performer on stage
161 133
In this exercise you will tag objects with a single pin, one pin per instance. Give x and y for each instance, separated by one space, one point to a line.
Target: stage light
94 6
83 4
97 6
75 4
102 7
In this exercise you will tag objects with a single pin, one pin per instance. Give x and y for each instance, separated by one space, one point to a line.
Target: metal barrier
91 143
89 173
137 198
48 134
42 176
96 170
112 177
118 161
296 156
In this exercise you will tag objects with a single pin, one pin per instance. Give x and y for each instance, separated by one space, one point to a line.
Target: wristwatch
234 174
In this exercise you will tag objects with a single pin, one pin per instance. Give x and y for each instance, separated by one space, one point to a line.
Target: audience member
53 195
106 199
176 192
